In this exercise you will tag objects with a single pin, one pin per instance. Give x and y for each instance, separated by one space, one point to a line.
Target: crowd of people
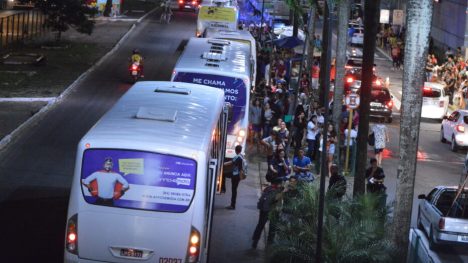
293 143
452 73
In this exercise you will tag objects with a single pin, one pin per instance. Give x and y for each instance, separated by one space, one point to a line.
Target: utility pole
371 23
325 87
416 47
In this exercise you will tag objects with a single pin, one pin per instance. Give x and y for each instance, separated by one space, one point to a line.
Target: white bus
221 14
241 36
225 65
145 177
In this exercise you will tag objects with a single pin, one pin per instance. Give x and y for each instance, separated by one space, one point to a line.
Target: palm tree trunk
310 42
416 47
343 16
371 22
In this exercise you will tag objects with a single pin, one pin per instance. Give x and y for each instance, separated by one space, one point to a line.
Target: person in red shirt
315 72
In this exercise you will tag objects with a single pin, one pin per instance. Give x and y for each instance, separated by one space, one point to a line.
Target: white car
435 101
455 129
358 36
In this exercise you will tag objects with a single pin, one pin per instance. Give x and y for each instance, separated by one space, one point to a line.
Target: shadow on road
33 211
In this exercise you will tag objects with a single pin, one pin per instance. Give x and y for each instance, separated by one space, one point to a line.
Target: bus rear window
138 180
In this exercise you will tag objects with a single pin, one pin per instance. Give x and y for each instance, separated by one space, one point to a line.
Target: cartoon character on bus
106 185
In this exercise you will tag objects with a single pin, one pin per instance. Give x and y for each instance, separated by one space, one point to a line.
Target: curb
39 115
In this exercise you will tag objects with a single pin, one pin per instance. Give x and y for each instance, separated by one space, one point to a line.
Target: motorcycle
135 71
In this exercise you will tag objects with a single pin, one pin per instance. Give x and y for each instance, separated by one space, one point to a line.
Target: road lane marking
49 99
396 101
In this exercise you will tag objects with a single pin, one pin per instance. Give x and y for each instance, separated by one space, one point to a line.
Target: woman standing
300 124
266 117
381 138
312 130
256 120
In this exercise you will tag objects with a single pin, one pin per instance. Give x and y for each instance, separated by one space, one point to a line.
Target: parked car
435 101
358 36
454 129
442 215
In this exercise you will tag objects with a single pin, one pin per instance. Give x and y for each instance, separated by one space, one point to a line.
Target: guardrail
22 26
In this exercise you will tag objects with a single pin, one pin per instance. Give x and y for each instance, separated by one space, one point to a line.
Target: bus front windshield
138 180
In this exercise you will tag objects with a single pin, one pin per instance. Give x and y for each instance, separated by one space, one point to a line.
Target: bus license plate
134 253
463 238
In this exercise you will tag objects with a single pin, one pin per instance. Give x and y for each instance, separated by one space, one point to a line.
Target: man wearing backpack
266 203
238 174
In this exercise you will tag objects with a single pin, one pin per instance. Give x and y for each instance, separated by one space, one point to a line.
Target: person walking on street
381 138
236 164
270 196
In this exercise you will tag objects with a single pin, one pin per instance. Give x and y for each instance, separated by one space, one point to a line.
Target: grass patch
60 68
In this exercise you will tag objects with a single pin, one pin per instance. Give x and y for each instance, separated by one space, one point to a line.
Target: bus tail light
193 252
460 128
378 82
241 135
181 1
442 223
349 80
71 242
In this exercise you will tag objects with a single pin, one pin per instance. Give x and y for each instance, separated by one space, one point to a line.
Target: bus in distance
226 65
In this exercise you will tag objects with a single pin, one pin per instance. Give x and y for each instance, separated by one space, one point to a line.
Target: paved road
36 170
436 165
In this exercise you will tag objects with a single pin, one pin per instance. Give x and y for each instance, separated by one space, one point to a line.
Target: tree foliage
354 230
63 14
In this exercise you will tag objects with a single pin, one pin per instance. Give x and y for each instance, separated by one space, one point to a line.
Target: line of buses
147 172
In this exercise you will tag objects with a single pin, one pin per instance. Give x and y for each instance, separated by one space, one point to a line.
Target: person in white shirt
106 180
312 129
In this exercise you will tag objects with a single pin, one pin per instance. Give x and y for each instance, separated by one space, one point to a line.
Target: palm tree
416 47
353 230
341 45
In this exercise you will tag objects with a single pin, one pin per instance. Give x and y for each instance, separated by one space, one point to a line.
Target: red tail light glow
181 1
194 2
427 89
378 83
442 223
194 246
390 104
460 128
71 244
349 80
134 67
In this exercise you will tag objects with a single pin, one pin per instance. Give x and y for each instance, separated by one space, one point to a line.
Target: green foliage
63 14
353 231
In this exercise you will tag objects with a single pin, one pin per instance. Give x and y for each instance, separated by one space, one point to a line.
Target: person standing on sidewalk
236 163
267 202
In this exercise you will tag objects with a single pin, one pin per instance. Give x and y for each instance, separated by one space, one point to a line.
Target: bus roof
230 34
215 56
161 117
